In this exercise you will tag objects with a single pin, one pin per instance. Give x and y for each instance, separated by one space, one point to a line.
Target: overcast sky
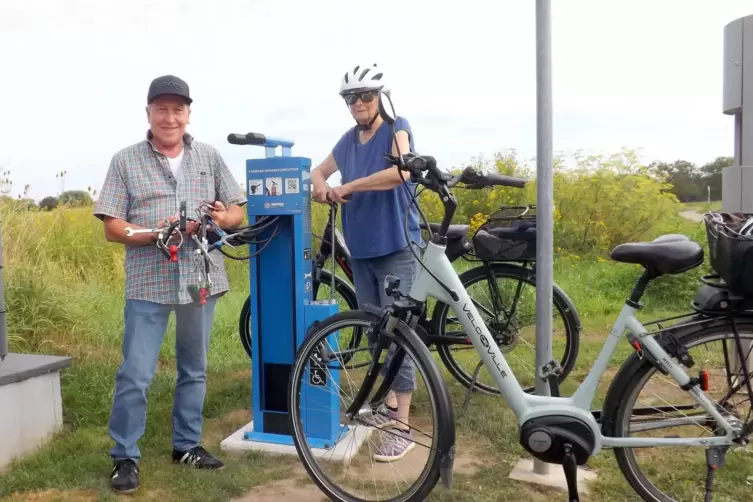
74 76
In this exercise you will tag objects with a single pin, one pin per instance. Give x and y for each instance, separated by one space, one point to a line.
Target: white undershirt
175 163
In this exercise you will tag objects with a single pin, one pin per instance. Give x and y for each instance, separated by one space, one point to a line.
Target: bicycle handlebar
424 171
331 202
417 165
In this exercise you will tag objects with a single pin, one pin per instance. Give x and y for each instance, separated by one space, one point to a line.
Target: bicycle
207 238
558 430
497 249
505 246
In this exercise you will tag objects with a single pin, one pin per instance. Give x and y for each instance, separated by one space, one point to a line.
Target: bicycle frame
527 406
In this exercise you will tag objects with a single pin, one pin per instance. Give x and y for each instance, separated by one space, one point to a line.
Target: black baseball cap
168 84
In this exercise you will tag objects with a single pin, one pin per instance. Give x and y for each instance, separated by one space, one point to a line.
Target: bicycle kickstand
469 392
714 460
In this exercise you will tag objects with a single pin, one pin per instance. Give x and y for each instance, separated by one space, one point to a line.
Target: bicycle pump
282 308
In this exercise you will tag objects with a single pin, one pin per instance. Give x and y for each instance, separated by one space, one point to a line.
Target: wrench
130 231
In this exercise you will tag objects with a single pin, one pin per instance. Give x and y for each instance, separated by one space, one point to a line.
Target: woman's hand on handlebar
319 192
339 195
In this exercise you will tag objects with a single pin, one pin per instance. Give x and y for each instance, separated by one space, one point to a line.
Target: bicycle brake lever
183 216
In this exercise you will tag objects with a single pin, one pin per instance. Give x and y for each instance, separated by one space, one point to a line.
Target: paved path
692 215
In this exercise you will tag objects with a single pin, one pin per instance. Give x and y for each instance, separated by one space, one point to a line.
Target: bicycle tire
631 377
436 389
342 287
561 304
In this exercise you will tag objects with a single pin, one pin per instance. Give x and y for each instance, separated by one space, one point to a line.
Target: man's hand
166 223
341 194
319 192
218 212
225 217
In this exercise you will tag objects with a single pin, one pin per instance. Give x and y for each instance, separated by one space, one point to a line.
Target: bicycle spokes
373 435
658 407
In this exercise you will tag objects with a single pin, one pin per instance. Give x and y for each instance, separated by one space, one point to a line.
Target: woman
374 206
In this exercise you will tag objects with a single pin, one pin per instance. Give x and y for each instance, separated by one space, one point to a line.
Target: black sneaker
125 476
197 457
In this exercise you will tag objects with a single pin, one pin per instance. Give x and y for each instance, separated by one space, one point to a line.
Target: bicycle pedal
391 287
550 373
472 386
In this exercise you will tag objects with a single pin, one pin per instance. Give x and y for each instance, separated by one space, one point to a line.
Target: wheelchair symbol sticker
318 378
318 373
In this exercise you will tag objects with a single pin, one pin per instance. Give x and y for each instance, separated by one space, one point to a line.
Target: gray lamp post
737 100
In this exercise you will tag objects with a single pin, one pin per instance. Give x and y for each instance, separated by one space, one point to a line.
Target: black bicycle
502 286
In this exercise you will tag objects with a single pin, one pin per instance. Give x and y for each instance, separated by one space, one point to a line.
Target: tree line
690 182
687 181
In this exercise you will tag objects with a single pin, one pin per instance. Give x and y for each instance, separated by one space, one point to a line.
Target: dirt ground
299 487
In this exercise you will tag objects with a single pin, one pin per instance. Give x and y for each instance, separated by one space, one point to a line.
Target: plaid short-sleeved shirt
140 188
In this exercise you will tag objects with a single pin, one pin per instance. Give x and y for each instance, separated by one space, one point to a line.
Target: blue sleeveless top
373 222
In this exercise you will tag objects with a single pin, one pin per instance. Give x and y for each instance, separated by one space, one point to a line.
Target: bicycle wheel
433 435
665 404
511 319
347 300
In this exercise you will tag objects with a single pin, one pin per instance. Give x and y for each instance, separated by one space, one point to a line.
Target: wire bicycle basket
508 235
730 250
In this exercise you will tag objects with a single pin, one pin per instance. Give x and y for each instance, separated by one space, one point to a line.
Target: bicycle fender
445 467
371 309
570 307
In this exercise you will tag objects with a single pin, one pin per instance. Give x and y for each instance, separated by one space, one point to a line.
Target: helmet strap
362 127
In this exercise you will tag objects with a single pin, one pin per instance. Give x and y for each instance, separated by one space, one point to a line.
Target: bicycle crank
559 439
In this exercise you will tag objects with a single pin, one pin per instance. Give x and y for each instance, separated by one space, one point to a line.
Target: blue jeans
145 326
368 277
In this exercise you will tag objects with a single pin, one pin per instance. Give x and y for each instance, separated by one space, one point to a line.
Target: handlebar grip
347 197
252 138
494 179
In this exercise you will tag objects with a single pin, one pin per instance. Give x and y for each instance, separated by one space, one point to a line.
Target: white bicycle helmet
363 78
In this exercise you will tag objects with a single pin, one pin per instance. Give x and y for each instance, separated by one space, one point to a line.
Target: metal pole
737 193
544 200
3 321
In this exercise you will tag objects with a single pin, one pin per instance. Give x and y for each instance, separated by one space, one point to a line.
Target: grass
62 299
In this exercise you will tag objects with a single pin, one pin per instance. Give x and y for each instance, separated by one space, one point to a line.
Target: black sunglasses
366 97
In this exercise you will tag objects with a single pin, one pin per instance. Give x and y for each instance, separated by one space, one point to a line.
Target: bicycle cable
247 236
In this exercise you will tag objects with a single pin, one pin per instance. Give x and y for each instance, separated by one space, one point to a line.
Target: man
373 213
143 187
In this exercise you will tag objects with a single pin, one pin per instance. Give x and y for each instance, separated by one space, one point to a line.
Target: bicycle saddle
453 231
667 254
